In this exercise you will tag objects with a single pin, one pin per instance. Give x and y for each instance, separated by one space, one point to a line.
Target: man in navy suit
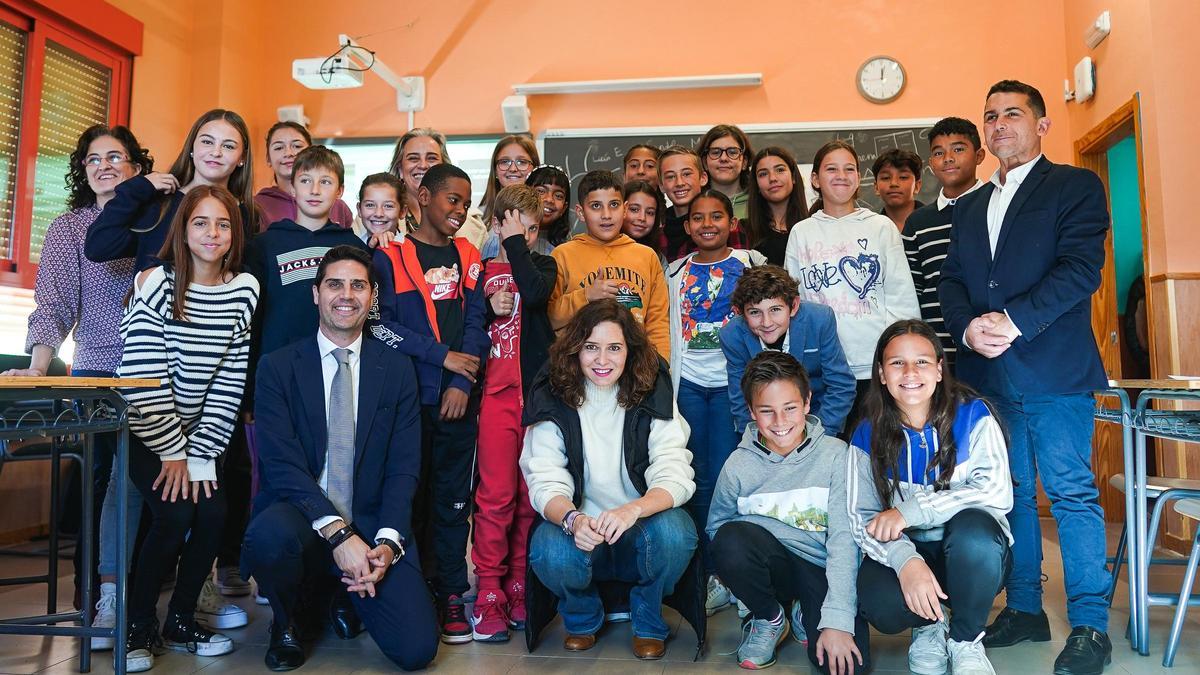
338 420
1025 257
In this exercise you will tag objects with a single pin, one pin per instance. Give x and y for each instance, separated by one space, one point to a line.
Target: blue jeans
652 554
104 447
713 439
1050 435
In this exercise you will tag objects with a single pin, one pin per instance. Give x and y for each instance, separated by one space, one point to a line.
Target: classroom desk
101 410
1137 424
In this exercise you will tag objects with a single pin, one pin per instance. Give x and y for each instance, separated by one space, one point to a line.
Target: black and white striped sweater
202 361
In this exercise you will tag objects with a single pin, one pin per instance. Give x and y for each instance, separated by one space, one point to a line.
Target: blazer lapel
971 226
1032 180
312 392
372 374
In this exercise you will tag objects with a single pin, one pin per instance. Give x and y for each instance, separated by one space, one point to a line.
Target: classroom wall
471 54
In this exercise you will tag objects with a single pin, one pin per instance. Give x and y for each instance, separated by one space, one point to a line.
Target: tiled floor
19 654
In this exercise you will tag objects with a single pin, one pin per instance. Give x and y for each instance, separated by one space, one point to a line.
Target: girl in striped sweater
188 325
928 491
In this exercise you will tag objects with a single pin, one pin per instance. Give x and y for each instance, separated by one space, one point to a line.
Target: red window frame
41 25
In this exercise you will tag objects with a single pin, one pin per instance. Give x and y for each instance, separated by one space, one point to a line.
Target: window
56 81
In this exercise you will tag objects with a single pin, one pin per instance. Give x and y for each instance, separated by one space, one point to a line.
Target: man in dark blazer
337 481
1025 257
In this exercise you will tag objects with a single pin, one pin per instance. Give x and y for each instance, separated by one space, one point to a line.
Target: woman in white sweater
188 325
607 465
851 259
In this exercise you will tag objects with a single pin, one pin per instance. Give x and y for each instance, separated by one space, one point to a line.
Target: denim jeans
1050 435
713 439
652 555
104 448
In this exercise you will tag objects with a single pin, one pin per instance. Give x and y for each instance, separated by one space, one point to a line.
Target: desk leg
1131 559
1143 561
88 481
121 631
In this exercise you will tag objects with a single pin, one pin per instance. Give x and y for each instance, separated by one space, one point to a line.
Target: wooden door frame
1091 153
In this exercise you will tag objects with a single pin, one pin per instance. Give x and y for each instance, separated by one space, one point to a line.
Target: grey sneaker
969 658
761 638
214 613
106 615
718 596
927 653
797 618
231 583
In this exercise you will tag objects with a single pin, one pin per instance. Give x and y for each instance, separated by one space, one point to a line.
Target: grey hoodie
801 500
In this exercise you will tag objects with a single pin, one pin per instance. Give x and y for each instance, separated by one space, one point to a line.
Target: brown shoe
648 649
579 643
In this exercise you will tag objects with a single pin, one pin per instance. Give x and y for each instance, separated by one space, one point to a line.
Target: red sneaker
456 629
489 623
516 605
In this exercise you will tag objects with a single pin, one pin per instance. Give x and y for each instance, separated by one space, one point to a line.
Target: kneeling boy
780 526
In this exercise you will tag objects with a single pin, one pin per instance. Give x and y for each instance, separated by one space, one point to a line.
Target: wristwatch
338 538
396 546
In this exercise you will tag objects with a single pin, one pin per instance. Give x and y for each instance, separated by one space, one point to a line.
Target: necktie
340 434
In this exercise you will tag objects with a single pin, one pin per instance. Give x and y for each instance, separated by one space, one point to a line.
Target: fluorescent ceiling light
639 84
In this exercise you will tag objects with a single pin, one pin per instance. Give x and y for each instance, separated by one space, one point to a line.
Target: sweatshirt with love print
856 265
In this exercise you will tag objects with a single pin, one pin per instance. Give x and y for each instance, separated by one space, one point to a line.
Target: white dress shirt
998 204
943 201
329 367
1002 196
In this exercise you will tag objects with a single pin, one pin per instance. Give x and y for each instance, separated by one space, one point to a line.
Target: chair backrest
9 361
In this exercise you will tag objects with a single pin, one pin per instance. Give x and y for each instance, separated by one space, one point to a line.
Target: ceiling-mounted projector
338 72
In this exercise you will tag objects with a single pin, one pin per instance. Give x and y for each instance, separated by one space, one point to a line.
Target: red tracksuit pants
503 514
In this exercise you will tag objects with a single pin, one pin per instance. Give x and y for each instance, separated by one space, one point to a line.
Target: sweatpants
970 562
503 514
765 576
443 503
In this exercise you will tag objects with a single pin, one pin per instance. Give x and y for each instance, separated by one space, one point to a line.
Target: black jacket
541 405
534 275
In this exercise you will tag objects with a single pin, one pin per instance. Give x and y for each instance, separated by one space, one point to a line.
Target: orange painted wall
472 52
1150 46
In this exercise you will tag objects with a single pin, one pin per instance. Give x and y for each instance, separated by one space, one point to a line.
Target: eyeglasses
113 158
733 153
507 163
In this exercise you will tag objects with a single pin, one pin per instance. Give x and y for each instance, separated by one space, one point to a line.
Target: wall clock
881 79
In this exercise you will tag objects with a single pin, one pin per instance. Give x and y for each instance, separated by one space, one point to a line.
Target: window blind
75 95
12 69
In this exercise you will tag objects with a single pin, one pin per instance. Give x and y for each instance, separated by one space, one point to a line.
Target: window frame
39 26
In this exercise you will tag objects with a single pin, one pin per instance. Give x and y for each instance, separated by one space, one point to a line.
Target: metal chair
1188 508
1161 491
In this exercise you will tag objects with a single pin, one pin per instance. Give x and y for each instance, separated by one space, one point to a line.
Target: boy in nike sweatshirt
780 527
604 263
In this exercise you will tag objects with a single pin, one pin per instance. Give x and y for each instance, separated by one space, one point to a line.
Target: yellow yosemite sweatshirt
636 268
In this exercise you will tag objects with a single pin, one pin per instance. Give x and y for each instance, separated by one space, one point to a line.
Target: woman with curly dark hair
608 467
104 157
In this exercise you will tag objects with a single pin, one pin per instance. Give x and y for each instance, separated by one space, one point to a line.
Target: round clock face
881 79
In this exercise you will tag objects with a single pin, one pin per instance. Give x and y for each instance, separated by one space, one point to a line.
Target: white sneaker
260 599
927 653
969 658
106 615
214 613
718 596
743 610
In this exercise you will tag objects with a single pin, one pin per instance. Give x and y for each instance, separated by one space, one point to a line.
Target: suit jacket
289 415
1047 265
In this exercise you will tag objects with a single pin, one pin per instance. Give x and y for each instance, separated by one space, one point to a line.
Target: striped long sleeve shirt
202 362
981 480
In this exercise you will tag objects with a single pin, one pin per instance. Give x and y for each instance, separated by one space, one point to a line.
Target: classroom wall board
578 151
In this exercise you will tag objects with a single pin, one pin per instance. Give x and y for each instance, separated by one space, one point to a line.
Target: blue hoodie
812 338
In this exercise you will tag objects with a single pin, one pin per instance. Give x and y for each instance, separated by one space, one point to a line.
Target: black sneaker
1011 627
1086 653
456 629
181 633
141 645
